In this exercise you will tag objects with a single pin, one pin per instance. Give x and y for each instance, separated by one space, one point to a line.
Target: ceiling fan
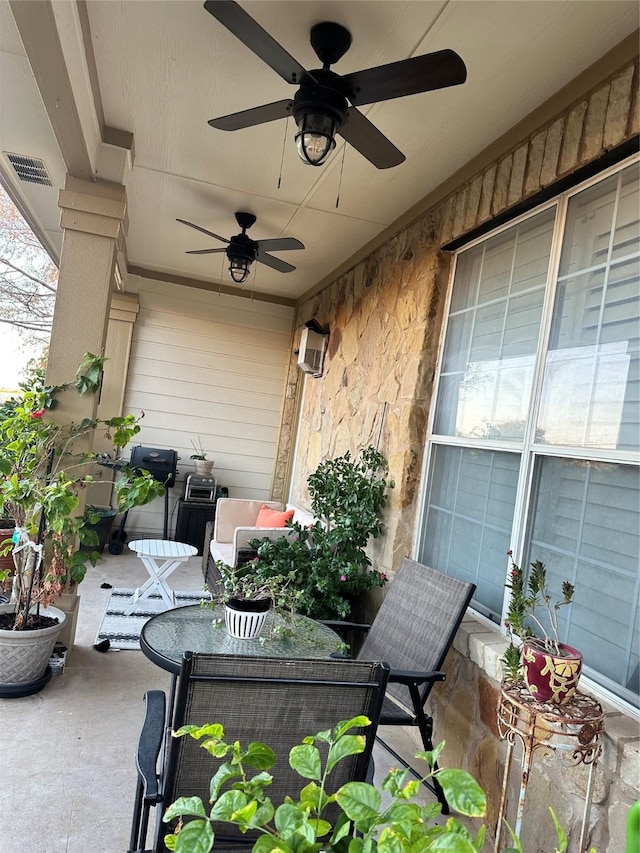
242 251
320 107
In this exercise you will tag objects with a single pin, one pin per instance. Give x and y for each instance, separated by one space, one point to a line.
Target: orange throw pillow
273 517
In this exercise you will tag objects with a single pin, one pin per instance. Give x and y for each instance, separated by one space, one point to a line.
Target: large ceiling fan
242 251
320 107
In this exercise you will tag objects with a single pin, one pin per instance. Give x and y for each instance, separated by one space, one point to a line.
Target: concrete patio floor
67 753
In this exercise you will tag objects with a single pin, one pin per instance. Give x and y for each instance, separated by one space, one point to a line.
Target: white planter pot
245 624
24 655
203 467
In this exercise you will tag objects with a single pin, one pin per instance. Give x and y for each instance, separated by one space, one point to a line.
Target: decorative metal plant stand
574 728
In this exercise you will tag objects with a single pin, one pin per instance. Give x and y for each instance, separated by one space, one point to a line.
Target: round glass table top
166 637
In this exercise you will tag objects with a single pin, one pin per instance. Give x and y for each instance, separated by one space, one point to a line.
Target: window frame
529 451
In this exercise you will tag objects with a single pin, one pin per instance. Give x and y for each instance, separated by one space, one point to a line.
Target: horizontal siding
209 367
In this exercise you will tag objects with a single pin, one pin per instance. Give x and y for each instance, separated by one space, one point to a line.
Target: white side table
151 551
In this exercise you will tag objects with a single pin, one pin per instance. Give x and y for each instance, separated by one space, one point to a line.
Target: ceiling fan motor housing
320 95
242 248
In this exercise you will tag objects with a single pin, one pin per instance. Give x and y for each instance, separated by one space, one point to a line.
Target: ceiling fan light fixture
239 269
315 138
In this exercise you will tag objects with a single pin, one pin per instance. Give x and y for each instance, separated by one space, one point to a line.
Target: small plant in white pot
550 669
201 464
248 597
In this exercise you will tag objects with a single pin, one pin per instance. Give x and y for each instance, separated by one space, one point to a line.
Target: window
536 426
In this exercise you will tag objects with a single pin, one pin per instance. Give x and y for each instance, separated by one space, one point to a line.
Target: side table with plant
46 467
550 669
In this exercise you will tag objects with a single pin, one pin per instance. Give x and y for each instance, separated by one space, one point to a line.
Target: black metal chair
271 700
413 631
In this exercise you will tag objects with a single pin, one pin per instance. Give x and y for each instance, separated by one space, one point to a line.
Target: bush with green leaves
330 560
239 796
367 822
45 466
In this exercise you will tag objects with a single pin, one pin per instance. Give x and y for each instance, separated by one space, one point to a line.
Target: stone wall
385 317
385 314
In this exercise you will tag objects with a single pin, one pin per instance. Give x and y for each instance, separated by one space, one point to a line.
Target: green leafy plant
527 598
243 583
199 451
301 824
45 466
330 561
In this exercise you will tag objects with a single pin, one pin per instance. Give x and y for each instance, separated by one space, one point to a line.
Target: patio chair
413 631
270 700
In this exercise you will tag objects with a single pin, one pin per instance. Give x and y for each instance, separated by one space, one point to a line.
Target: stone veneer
385 316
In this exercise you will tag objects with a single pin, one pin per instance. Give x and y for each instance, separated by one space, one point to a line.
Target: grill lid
160 463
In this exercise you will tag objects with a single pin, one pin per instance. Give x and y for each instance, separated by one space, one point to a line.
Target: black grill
161 464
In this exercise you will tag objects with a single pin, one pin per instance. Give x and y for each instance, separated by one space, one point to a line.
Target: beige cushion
237 512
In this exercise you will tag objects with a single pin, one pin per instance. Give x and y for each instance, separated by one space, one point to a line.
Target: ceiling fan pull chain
344 150
284 145
221 275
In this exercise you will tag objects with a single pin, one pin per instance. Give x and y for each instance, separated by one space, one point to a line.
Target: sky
14 355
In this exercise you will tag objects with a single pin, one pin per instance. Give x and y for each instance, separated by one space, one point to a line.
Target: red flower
383 577
37 415
515 573
509 553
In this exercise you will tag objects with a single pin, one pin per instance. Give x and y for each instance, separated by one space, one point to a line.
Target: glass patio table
166 637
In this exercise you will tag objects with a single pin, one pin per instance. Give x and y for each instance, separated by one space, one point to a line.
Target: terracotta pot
551 678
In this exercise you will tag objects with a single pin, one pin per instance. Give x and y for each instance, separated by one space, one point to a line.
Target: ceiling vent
30 169
311 352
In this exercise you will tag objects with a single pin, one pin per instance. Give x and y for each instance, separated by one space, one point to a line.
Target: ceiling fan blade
406 77
204 231
237 21
369 141
279 244
205 251
252 117
274 263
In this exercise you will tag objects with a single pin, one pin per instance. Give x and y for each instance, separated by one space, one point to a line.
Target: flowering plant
330 562
46 465
525 601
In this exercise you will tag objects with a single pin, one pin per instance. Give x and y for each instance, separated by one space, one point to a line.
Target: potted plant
302 823
248 596
46 466
200 462
550 669
332 568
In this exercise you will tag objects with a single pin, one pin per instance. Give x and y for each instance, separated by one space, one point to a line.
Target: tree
28 277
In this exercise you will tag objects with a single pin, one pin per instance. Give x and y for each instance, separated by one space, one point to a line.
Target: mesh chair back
277 702
416 623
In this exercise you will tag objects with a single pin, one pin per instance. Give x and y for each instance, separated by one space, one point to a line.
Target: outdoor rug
123 630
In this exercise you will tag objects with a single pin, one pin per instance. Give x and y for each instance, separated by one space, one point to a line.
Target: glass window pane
585 527
468 519
591 385
492 334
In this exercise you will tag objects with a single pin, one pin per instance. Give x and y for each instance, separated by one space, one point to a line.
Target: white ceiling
165 68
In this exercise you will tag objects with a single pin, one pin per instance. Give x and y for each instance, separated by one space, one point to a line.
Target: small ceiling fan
242 251
320 107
